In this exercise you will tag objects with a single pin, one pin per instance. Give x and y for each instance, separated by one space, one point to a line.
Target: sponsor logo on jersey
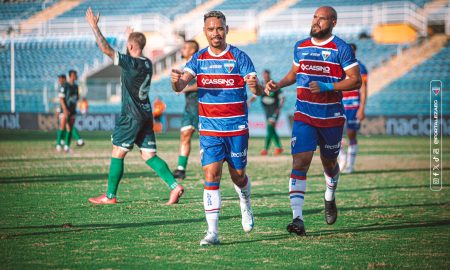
228 67
325 54
239 154
215 66
227 82
316 68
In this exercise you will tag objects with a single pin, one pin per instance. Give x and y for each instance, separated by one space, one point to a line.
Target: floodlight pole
13 74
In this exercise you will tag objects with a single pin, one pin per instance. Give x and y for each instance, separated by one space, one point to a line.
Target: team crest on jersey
436 90
325 54
293 141
229 66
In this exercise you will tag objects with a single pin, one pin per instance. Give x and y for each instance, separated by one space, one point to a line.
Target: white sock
297 188
351 155
342 158
212 202
331 184
244 192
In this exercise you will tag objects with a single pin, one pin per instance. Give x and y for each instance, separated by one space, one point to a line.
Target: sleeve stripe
61 95
116 58
251 73
190 71
351 65
295 63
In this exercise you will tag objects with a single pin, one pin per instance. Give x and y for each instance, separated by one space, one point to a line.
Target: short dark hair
194 43
215 14
266 71
354 47
62 76
72 71
139 38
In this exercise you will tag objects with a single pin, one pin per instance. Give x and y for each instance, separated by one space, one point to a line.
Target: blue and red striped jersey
325 62
222 97
351 99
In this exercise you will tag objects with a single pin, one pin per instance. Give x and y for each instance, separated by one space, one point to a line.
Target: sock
276 138
161 169
342 158
182 163
59 136
269 135
115 174
68 138
351 153
243 192
297 189
212 202
75 133
331 180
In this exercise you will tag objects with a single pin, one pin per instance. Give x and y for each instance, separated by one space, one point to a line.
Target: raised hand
91 18
271 86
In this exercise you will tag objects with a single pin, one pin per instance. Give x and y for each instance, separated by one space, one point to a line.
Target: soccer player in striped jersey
324 66
354 104
135 124
223 72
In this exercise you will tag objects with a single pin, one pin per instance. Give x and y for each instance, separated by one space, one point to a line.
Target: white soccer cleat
247 216
67 149
58 148
347 170
80 142
210 239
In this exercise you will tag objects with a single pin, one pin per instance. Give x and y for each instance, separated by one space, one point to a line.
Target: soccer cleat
277 151
296 226
102 200
210 239
80 142
347 170
263 152
330 211
179 174
58 148
247 216
175 195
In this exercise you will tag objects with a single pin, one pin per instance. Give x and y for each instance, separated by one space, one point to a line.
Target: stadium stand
257 5
318 3
411 92
19 10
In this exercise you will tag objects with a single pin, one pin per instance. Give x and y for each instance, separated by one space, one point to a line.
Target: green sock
161 168
276 138
269 135
115 174
68 138
59 136
182 162
75 134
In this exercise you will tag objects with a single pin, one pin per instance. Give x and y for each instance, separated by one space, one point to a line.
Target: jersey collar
323 42
220 54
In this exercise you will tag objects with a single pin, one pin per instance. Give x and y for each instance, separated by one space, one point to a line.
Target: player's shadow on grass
68 228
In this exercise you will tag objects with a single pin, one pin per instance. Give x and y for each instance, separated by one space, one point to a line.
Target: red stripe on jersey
308 43
220 81
352 93
221 110
324 98
207 56
320 68
317 122
223 133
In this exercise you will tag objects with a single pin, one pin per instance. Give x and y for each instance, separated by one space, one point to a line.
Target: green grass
388 216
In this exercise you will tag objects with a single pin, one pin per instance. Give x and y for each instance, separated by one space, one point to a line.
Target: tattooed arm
99 38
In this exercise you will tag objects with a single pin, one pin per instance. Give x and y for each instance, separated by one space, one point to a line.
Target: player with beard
324 66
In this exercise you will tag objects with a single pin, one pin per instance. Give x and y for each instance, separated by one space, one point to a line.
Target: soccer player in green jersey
135 124
68 95
189 123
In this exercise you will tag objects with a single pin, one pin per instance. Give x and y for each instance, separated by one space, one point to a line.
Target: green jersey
135 78
271 102
69 92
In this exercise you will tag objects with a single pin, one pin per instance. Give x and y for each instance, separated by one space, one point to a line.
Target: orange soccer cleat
263 152
277 151
175 195
102 200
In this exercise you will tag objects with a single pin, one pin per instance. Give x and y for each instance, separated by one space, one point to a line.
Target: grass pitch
388 217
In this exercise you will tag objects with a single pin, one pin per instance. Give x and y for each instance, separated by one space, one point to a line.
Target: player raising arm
324 65
135 124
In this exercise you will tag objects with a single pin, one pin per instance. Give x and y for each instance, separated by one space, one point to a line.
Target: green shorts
271 114
129 131
190 119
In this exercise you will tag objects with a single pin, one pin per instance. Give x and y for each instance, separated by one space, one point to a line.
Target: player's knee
328 163
146 155
300 164
212 176
118 152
